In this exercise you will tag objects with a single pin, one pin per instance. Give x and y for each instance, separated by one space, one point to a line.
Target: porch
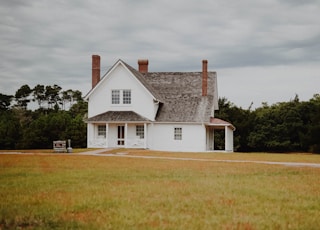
213 129
117 135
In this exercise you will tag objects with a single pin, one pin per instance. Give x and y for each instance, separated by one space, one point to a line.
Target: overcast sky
262 50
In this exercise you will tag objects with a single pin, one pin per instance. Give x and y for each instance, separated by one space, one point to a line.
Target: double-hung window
178 133
102 131
115 94
121 96
126 96
140 131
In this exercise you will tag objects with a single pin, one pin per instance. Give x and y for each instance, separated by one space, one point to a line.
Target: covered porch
218 125
117 129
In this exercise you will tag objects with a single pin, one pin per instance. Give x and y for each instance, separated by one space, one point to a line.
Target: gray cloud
51 42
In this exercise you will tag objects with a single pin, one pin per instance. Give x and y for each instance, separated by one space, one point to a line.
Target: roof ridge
143 81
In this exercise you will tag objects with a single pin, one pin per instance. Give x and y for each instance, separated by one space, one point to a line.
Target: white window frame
178 133
115 97
126 97
102 131
121 97
140 131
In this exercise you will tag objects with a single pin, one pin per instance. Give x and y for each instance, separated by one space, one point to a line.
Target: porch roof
220 123
118 116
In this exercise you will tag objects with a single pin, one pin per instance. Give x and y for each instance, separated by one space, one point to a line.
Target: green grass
88 192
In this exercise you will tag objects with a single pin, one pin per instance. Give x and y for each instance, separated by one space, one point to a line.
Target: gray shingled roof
181 93
123 116
142 79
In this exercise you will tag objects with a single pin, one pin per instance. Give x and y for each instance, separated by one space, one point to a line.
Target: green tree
277 128
10 130
242 119
52 94
310 137
22 96
39 94
77 132
46 128
5 101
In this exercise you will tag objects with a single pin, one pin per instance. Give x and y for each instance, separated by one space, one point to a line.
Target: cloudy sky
263 50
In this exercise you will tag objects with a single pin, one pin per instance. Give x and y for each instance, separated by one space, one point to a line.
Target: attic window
115 96
126 96
121 96
178 133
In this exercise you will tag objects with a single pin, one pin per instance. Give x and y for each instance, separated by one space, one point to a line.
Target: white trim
125 135
138 81
145 135
107 135
107 76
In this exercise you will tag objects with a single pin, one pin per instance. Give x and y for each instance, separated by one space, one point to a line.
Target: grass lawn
48 191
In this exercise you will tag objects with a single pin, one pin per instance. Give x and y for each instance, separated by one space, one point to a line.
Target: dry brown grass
89 192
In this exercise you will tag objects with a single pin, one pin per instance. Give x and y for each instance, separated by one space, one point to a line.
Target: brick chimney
95 70
143 65
204 77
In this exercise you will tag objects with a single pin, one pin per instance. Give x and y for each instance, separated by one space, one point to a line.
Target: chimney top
143 65
204 77
95 70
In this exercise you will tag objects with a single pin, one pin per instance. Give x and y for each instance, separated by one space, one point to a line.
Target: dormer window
121 96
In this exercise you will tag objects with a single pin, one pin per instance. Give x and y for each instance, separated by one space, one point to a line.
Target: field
71 191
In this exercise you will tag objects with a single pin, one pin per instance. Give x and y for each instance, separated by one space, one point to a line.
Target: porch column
230 139
145 135
107 135
125 134
90 135
226 139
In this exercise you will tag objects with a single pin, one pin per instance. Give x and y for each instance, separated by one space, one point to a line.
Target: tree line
56 115
292 126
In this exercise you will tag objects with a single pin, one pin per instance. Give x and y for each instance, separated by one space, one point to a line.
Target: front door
121 135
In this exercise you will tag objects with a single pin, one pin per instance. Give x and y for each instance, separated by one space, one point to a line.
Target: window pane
115 96
102 131
140 131
178 133
126 96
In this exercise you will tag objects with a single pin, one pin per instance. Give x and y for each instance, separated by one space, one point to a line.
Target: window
121 96
178 133
140 131
101 130
115 96
126 96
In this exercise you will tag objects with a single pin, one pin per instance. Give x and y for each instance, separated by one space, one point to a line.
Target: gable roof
182 96
143 81
135 73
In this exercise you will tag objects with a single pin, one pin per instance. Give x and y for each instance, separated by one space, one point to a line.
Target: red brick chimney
204 77
143 65
95 70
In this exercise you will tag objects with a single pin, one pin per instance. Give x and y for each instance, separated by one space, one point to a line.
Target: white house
171 111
